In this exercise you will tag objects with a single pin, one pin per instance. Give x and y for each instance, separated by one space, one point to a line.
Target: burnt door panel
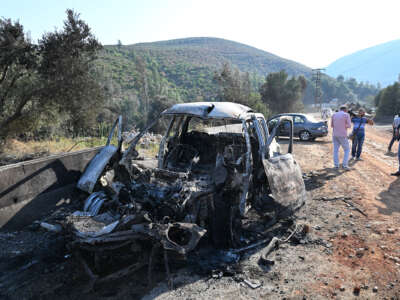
286 183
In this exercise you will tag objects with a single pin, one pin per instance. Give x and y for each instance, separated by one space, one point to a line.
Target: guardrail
32 189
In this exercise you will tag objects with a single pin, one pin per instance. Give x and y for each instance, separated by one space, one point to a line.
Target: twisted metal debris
216 161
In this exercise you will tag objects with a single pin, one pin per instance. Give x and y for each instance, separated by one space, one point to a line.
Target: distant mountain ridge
377 64
244 57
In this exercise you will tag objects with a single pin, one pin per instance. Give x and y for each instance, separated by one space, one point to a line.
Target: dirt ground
347 254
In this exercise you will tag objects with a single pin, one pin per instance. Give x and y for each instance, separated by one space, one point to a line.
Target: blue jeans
358 142
337 142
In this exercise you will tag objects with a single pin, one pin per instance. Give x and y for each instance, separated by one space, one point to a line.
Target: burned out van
217 162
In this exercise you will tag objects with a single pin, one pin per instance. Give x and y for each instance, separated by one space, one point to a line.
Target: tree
143 87
388 100
55 77
158 105
235 86
18 62
282 94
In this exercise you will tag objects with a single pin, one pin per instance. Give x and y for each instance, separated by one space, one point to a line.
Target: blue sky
312 32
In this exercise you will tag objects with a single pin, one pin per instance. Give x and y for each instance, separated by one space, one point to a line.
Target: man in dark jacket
395 124
396 136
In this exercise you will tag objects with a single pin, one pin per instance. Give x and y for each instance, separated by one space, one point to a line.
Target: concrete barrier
32 189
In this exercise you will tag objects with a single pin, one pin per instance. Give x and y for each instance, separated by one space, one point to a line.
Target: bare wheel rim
305 135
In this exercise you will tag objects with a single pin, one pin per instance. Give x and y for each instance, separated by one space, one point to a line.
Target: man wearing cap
340 122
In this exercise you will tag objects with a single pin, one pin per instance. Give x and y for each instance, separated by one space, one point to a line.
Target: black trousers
392 141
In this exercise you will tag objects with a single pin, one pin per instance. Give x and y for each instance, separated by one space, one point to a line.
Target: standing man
396 136
359 133
395 124
324 114
340 122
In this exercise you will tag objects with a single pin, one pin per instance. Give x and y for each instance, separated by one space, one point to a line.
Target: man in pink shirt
340 122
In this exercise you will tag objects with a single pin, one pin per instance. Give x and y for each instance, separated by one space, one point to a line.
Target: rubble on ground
148 138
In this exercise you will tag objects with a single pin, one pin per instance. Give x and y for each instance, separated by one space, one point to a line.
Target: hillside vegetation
388 101
213 52
76 87
186 70
50 84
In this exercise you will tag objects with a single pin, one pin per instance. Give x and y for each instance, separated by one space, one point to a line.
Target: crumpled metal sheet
89 226
99 162
286 182
94 202
96 166
103 231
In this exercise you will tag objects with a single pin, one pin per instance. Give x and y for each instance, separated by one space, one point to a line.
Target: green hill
213 52
184 68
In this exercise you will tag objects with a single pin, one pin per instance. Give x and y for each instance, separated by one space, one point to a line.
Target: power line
317 95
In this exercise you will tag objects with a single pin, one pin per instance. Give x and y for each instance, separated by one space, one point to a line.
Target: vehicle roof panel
210 110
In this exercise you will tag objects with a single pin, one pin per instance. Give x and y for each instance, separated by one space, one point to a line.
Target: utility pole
317 94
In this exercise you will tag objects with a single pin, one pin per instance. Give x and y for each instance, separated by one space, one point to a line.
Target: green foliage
281 93
388 100
204 69
370 101
182 71
255 103
377 99
158 105
54 80
236 87
60 87
345 90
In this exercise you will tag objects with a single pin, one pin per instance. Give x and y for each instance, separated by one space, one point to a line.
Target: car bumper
319 133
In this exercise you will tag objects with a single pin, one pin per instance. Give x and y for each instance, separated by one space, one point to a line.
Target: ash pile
221 190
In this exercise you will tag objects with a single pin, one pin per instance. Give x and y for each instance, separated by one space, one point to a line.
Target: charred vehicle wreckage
217 164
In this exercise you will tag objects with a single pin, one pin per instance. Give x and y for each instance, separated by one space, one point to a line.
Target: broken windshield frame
179 128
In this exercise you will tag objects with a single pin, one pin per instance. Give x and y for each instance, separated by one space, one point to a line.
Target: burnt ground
345 255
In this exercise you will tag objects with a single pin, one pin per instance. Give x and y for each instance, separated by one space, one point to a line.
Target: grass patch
19 149
14 150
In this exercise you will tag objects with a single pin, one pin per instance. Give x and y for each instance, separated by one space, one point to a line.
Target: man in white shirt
340 122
